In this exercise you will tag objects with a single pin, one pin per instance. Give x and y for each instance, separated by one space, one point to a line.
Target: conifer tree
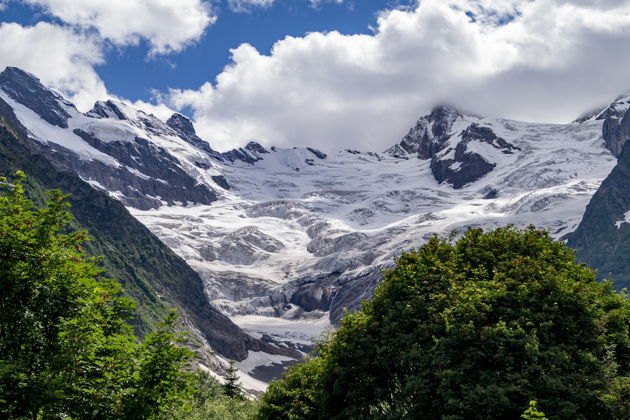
232 385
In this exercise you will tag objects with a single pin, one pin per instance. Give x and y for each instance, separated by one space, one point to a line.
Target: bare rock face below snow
28 91
602 239
457 157
467 163
616 129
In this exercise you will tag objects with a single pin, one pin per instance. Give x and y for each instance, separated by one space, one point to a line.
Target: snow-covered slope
296 240
285 239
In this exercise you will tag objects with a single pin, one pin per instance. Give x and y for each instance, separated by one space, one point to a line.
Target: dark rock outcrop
467 165
317 153
312 297
221 181
429 135
185 129
602 239
251 153
616 131
107 109
26 89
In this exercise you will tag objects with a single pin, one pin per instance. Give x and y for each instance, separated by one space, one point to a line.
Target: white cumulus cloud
167 25
543 60
61 57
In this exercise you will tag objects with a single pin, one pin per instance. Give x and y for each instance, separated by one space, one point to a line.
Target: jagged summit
26 89
428 135
109 109
181 124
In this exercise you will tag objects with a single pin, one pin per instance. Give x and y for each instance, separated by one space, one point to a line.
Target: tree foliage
473 330
232 384
65 348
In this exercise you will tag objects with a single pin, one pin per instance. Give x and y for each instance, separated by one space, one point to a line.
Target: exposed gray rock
26 89
221 181
468 166
350 295
317 153
312 297
251 153
185 129
107 109
150 175
616 131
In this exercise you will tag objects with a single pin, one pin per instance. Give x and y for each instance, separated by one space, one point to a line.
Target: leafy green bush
472 330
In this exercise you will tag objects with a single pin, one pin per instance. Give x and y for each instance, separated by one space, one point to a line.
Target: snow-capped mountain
287 239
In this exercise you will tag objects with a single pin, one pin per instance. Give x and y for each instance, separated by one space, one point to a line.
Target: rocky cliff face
27 90
616 128
602 240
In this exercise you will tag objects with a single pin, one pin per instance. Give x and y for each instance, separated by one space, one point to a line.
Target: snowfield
285 223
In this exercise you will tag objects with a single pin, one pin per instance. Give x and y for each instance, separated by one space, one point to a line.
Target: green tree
232 385
473 330
65 348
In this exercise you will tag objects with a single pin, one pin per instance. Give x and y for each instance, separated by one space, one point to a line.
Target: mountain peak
16 73
109 109
443 110
181 124
27 89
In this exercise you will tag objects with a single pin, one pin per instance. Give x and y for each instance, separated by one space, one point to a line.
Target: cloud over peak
543 60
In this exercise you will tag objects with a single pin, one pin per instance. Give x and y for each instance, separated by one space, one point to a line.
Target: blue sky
342 73
188 69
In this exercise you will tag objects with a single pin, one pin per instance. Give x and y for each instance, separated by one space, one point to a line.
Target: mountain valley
285 240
